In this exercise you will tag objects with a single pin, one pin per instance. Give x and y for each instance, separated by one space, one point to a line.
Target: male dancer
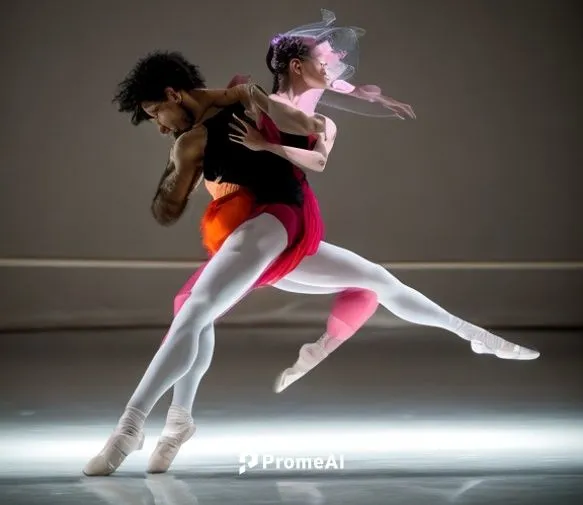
265 240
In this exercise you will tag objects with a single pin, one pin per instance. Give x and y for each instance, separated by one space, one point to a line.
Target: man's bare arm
236 80
182 174
288 119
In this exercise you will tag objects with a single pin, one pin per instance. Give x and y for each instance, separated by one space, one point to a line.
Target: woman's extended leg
337 268
351 309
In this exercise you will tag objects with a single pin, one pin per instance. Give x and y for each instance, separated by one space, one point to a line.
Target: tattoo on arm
162 206
182 174
173 191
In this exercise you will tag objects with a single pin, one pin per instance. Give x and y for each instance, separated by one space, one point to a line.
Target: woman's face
327 62
313 69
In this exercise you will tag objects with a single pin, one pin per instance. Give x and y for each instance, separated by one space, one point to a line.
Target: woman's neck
305 99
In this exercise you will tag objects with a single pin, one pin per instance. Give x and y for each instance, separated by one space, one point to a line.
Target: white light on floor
408 445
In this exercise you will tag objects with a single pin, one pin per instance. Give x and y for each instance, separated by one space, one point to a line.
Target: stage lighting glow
364 446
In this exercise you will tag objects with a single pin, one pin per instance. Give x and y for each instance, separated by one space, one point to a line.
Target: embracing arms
314 159
287 118
308 159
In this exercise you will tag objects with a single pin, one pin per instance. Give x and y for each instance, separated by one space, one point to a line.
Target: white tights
333 269
186 388
230 274
185 356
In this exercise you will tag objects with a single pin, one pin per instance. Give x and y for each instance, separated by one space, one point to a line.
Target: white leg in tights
186 388
227 278
180 427
335 268
313 353
303 289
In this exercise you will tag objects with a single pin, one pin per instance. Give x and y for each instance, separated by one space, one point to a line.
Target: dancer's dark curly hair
150 76
281 51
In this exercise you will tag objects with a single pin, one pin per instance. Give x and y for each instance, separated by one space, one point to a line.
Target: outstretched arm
371 93
182 174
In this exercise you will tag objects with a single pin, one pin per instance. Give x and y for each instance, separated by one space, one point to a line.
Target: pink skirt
305 231
304 226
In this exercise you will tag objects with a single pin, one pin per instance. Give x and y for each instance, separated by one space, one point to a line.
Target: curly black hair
282 51
150 76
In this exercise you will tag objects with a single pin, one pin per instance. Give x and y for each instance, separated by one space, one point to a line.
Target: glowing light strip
178 265
489 439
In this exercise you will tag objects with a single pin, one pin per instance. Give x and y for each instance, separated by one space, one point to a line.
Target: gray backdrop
476 203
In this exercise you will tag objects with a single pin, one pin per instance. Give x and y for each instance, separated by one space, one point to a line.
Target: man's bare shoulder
222 97
191 143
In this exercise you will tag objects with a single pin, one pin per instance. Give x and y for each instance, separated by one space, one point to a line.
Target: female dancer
335 269
357 281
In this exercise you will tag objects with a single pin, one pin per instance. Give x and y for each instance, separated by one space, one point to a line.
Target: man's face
170 115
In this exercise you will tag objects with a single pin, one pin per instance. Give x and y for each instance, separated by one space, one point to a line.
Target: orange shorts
223 216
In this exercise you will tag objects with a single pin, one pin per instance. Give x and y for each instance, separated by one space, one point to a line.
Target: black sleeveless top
271 178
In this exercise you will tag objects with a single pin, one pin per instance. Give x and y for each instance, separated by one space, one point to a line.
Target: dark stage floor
405 416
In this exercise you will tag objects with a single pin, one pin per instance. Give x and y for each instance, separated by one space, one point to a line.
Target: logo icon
247 461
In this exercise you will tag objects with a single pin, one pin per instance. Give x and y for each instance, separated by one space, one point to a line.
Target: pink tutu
304 226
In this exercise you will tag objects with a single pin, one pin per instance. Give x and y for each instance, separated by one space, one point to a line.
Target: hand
372 93
238 79
248 136
402 110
